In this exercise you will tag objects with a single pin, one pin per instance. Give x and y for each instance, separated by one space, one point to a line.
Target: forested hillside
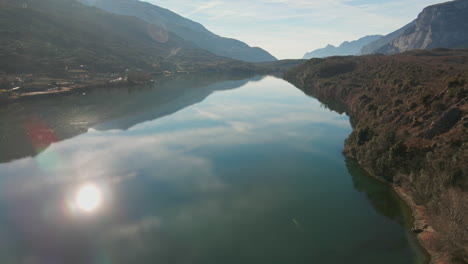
410 119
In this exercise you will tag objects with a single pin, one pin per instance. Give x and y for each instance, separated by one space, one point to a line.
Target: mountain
372 47
184 28
345 49
439 26
46 36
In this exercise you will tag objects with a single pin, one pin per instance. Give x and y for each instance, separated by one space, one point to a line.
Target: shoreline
14 97
41 84
425 234
422 231
410 122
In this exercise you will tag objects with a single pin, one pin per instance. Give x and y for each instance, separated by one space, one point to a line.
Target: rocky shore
410 118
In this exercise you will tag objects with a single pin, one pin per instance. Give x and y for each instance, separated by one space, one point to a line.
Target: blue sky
290 28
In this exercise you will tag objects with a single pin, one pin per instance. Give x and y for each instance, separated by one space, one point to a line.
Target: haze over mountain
438 26
345 49
185 28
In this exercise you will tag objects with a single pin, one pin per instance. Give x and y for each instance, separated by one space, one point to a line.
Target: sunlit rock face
374 46
438 26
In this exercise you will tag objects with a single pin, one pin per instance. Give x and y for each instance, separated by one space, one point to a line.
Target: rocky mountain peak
438 26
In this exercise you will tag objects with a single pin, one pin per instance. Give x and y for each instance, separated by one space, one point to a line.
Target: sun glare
88 198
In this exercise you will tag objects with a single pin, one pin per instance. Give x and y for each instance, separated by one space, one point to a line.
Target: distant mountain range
345 49
438 26
48 36
184 28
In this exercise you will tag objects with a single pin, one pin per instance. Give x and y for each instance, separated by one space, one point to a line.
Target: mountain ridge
50 35
344 49
185 28
374 46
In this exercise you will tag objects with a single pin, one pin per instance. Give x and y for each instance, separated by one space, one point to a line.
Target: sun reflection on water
88 198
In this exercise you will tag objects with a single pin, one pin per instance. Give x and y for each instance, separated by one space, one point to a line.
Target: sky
290 28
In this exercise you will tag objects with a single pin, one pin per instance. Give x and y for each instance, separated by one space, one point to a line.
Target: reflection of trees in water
327 102
333 105
384 200
330 103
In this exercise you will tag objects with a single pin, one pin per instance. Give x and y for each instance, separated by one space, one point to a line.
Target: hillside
410 119
439 26
50 35
52 46
345 49
185 28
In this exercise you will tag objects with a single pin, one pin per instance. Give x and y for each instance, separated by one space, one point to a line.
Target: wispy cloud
201 8
289 28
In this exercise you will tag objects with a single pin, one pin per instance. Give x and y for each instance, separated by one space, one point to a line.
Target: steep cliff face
410 119
438 26
374 46
184 28
346 48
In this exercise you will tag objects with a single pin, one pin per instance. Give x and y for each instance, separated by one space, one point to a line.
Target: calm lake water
192 170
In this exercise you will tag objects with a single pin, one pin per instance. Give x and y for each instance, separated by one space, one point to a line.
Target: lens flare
88 198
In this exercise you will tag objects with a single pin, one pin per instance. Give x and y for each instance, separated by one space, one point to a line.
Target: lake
191 170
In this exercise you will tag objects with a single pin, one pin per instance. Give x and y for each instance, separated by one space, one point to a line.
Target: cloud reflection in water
228 173
224 119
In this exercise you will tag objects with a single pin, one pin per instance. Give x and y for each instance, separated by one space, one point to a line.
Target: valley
184 139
